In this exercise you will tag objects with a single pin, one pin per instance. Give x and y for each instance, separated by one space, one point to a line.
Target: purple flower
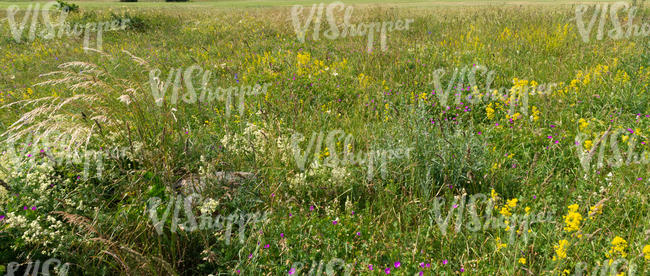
387 270
267 245
282 235
33 208
462 269
397 264
292 271
334 222
444 262
421 273
25 208
370 267
639 179
311 208
358 233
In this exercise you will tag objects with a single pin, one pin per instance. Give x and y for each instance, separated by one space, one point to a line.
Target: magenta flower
282 235
428 265
370 267
444 262
358 233
267 245
292 271
387 270
334 222
462 269
25 208
311 208
421 273
33 208
397 264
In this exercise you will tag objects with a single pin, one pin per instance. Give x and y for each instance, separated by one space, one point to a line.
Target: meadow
214 138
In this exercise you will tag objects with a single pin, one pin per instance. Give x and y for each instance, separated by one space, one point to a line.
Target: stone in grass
194 183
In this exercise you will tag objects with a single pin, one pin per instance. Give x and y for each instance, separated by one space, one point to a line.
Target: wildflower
397 264
370 267
572 219
646 251
618 245
494 194
444 262
292 271
499 244
512 203
560 250
387 270
583 124
522 261
588 144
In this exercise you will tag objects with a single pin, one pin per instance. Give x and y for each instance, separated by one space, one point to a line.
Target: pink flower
444 262
462 269
421 273
397 264
267 245
292 271
334 222
358 233
387 270
282 235
33 208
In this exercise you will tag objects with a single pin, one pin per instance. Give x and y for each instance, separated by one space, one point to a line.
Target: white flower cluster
209 206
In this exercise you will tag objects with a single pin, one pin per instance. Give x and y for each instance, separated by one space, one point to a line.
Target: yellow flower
489 112
527 209
572 219
618 245
494 194
595 210
505 211
560 250
512 203
583 124
646 252
500 245
535 113
522 260
588 144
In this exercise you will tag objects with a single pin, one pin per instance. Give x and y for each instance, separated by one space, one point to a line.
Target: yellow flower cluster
510 204
499 244
560 250
618 246
646 252
489 112
572 219
583 124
